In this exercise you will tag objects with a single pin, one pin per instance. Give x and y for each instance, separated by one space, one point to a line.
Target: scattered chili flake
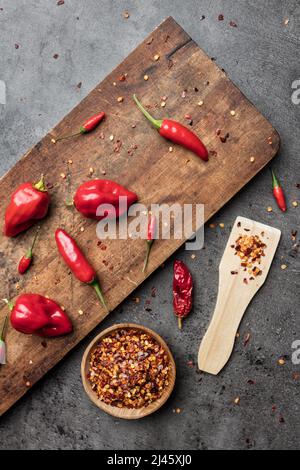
281 420
156 57
246 339
60 2
122 77
233 24
237 401
150 41
146 77
250 249
17 46
286 21
183 94
79 85
153 291
274 408
128 368
294 235
163 104
296 376
250 382
55 56
298 185
126 14
202 18
221 17
222 225
225 138
213 153
120 99
234 273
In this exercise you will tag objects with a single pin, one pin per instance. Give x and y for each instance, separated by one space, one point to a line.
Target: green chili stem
30 251
99 293
179 323
276 183
68 136
40 185
157 123
149 246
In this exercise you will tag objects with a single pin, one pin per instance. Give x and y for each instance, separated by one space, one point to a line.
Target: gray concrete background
261 55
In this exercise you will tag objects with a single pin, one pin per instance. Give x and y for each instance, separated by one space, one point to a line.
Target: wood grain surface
235 294
154 173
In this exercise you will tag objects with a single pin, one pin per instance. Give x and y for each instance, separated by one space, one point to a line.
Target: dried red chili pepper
278 193
28 204
87 127
77 262
177 133
35 314
26 260
92 194
182 291
150 239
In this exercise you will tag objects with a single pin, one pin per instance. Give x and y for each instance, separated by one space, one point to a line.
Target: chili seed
146 77
269 209
252 159
111 137
283 267
200 103
120 99
163 104
156 57
295 204
233 113
126 14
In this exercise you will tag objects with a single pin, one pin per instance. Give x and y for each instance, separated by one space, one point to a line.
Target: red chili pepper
278 193
28 204
77 262
88 126
177 133
150 239
182 291
35 314
90 195
26 260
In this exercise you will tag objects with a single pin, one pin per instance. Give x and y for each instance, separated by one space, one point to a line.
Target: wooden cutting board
140 159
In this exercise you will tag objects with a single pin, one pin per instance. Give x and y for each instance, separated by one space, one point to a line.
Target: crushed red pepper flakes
128 368
233 24
17 46
60 2
221 17
55 56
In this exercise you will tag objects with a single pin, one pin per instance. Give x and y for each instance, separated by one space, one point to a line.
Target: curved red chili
36 314
182 291
77 262
177 133
26 260
88 126
28 204
278 193
92 194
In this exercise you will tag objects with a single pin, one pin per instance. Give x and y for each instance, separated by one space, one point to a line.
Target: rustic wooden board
152 171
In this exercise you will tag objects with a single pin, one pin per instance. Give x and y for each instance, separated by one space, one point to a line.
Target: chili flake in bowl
128 371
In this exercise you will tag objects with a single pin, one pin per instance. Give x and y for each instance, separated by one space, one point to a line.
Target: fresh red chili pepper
28 204
35 314
278 193
88 126
92 194
150 239
177 133
26 260
182 291
77 262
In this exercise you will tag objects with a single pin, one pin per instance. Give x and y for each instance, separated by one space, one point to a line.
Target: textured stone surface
261 57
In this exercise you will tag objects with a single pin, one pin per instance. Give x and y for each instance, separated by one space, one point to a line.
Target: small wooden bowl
127 413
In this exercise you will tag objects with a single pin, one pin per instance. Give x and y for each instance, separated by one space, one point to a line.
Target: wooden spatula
237 287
